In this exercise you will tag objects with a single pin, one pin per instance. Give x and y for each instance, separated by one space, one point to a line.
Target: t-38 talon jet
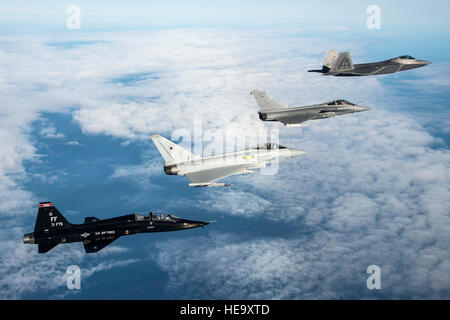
272 110
204 171
52 228
341 65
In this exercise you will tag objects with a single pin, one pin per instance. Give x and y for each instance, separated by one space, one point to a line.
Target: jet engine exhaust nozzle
262 116
28 238
171 170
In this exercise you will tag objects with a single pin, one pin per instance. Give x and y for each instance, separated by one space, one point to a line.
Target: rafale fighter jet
52 228
204 171
272 110
341 65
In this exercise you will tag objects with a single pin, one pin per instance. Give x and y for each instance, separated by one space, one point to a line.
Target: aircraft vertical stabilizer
265 102
170 151
343 63
330 58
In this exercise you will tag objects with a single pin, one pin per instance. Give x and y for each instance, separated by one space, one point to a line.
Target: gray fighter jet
204 171
272 110
342 65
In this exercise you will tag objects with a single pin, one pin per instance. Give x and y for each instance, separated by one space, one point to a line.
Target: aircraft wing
91 246
297 118
365 69
387 68
46 246
208 176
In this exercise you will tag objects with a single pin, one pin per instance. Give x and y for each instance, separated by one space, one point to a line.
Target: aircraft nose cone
195 224
201 224
295 153
361 108
424 62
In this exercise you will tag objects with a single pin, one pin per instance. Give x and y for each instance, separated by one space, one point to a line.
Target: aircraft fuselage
105 231
290 115
381 67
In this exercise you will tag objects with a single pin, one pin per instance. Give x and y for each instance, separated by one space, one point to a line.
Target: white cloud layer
23 271
371 189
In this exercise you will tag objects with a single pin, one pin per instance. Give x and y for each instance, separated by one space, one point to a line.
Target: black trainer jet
52 228
342 65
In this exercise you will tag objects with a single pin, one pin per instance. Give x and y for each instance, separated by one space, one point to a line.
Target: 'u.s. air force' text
231 309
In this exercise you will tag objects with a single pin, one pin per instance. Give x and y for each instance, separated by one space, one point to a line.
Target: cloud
142 174
214 87
50 132
433 79
24 271
323 265
372 189
234 202
73 143
15 149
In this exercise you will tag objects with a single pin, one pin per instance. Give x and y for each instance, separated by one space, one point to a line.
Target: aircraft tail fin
330 59
343 63
265 102
49 219
170 151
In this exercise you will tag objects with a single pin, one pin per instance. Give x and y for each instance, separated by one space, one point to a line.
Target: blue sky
402 16
78 108
417 12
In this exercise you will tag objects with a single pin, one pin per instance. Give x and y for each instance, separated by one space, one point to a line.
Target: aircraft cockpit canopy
152 216
269 146
340 102
138 217
406 57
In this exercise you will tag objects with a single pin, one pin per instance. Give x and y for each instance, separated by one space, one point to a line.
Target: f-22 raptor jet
272 110
204 171
342 65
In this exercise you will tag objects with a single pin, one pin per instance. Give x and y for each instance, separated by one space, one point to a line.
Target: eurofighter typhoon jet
52 228
205 171
342 65
272 110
